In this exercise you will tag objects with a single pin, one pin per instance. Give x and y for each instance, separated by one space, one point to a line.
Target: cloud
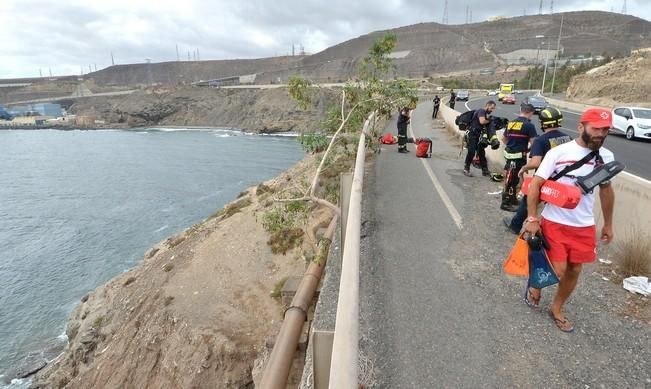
67 36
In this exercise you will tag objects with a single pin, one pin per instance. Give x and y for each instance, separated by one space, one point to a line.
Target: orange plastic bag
517 263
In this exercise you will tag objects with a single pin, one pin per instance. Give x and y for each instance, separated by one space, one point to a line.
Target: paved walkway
436 310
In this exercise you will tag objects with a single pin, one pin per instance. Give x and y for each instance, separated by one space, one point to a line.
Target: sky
65 37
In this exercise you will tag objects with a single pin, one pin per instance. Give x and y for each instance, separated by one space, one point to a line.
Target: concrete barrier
632 193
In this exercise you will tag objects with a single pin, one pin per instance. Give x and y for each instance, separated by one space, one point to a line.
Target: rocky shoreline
195 313
251 110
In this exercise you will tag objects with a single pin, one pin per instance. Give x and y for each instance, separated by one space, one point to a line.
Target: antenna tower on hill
540 8
445 13
551 7
624 7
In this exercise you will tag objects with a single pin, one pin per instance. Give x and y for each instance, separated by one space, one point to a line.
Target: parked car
508 99
634 122
463 95
517 92
492 93
539 103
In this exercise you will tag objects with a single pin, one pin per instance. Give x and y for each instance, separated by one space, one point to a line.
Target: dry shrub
285 239
633 253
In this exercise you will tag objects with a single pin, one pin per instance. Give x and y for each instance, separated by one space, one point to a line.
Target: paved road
636 155
436 311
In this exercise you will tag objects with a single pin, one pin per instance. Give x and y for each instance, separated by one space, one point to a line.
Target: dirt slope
624 81
193 314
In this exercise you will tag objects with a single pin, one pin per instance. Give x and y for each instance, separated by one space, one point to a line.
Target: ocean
79 207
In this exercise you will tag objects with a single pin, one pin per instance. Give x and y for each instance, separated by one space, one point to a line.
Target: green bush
313 143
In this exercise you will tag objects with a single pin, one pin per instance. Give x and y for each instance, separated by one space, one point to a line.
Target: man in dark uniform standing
403 122
437 104
453 98
479 123
519 134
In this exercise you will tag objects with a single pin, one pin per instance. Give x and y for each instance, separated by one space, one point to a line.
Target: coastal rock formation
194 314
253 110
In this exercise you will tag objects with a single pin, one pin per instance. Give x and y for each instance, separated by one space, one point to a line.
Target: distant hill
423 49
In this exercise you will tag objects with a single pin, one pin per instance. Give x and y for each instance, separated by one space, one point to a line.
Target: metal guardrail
345 349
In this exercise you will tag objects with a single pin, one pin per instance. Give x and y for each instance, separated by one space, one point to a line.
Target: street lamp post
542 89
558 49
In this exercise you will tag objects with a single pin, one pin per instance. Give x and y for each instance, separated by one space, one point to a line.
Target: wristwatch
532 219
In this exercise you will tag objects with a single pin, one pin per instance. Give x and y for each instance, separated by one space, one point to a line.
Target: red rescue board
562 195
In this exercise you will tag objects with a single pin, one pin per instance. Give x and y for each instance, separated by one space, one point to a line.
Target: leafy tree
371 93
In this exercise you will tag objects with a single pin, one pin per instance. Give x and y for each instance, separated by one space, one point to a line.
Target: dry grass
633 253
285 239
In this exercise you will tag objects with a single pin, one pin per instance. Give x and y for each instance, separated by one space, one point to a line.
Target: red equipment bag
388 139
423 147
553 192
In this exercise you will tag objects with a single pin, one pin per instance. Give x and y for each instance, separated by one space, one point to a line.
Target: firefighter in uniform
403 122
518 136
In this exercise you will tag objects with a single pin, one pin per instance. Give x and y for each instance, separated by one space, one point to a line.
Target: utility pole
95 66
177 53
50 69
293 50
188 55
40 72
198 56
624 8
540 8
558 48
90 70
551 7
467 12
445 13
542 89
470 15
112 60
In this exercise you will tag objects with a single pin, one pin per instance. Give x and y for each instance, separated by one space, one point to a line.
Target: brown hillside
623 81
434 48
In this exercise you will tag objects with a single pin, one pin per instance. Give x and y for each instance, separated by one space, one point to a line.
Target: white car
492 93
634 122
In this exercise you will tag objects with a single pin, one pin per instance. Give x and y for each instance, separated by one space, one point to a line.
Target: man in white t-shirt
571 233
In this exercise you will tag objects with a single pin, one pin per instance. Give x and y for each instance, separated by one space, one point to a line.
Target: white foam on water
162 228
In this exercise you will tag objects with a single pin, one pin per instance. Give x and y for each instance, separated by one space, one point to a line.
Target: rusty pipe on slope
276 372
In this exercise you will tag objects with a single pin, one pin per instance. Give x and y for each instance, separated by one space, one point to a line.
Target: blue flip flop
530 301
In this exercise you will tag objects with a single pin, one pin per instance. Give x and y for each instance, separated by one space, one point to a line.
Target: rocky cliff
254 110
195 313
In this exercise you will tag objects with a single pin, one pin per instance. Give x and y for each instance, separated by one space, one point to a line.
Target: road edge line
452 210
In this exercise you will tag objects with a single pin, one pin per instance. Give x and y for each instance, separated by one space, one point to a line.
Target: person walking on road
403 121
478 125
571 233
517 138
437 104
550 120
453 98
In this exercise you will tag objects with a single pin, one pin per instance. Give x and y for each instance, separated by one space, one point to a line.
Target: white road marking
456 216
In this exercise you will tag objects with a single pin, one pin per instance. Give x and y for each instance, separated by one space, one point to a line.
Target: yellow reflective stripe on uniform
513 155
515 125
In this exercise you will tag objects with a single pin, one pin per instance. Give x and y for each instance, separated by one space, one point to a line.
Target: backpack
463 120
423 147
388 139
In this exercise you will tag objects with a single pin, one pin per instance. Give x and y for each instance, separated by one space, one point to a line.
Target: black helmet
550 117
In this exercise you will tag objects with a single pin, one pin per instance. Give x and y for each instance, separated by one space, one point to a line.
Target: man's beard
593 143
